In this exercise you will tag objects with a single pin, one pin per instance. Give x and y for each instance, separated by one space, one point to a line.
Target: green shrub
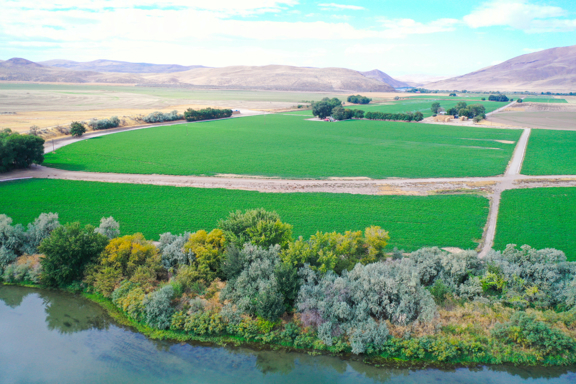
157 307
77 129
523 329
19 151
68 250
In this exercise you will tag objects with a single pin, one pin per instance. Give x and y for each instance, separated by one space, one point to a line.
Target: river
56 337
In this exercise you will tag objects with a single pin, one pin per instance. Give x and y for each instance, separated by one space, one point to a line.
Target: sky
399 37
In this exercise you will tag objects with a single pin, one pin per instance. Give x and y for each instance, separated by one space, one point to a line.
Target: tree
359 114
206 249
520 101
324 107
452 95
127 253
460 105
19 151
358 99
68 251
464 112
476 109
77 129
435 108
418 116
452 111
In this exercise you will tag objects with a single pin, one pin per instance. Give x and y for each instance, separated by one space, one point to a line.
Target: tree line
338 292
19 151
206 114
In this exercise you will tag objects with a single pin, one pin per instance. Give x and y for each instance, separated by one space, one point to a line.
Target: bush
77 129
129 252
325 252
206 250
358 99
256 226
525 330
108 227
206 114
498 97
68 250
157 307
130 298
159 117
256 290
26 269
173 252
19 151
358 302
520 101
112 122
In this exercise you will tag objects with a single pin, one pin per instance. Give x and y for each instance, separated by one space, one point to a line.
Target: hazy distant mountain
549 70
385 78
118 66
276 77
270 77
418 80
17 69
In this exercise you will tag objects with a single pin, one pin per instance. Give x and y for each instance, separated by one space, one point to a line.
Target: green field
540 217
544 100
289 146
412 221
550 152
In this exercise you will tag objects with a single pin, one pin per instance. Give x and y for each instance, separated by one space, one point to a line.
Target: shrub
130 297
206 114
207 250
257 226
68 250
11 240
108 227
19 151
129 252
158 117
157 307
358 99
96 124
334 251
173 252
77 129
255 290
525 330
26 269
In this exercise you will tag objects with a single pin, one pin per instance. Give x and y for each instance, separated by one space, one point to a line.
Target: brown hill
17 69
118 66
377 74
270 77
551 70
275 77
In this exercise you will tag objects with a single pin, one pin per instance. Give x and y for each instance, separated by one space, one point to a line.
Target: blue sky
400 37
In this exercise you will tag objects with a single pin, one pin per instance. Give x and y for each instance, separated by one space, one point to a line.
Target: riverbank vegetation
249 280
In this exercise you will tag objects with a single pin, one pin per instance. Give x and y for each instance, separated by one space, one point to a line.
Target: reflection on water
54 337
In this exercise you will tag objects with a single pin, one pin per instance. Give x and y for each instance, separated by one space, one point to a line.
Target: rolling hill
275 77
270 77
551 70
385 78
118 66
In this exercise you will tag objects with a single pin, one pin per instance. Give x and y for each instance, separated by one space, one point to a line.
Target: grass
539 217
544 100
287 146
550 152
413 221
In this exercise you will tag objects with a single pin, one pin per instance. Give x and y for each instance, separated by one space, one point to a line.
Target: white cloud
403 27
328 6
520 14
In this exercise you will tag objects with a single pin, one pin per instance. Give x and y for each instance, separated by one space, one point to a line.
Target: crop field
540 217
412 221
550 152
291 147
417 103
544 100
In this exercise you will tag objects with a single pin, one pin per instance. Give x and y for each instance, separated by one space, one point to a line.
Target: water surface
55 337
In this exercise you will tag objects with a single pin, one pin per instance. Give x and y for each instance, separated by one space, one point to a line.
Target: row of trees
409 116
342 290
159 117
97 124
359 99
19 151
206 114
498 97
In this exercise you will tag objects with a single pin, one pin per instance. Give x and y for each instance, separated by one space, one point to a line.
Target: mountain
549 70
275 77
18 69
118 66
270 77
419 80
377 74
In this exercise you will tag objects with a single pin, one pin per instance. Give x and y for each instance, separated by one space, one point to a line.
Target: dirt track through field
489 186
